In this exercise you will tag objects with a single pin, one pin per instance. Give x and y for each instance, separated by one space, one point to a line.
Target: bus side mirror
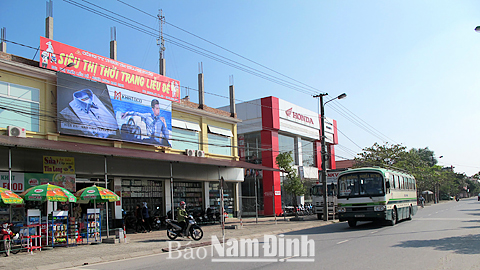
311 191
387 184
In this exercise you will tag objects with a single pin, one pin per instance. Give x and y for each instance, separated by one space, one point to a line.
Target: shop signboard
62 180
57 56
56 165
18 184
92 109
297 120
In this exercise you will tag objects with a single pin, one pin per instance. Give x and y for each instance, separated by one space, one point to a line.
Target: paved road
441 236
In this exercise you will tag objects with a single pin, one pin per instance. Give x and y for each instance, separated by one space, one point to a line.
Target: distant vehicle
374 193
316 192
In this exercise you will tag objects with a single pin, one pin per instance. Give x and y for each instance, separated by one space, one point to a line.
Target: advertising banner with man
58 56
93 109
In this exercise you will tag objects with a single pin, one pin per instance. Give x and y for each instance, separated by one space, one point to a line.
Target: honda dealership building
271 126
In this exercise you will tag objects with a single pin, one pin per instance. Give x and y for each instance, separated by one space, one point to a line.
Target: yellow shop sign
64 165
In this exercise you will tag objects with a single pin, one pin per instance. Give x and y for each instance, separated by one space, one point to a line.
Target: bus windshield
360 185
317 190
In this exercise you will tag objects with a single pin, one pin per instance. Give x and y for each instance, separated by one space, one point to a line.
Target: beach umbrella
48 192
97 194
9 197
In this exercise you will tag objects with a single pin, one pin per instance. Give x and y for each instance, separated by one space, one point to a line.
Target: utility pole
161 44
323 151
323 155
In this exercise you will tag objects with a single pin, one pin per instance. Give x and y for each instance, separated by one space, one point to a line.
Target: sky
409 68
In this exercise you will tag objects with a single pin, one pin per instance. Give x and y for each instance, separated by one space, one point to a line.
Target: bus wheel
409 213
352 223
319 216
394 217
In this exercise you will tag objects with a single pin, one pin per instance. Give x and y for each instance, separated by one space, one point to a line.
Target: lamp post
436 187
323 151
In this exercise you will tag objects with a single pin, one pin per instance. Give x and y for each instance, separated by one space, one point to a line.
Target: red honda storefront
271 126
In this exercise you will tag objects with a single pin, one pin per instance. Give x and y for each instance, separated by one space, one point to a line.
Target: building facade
271 126
61 128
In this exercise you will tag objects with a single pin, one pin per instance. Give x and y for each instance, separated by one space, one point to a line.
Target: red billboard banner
57 56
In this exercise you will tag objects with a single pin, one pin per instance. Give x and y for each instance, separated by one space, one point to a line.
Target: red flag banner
58 56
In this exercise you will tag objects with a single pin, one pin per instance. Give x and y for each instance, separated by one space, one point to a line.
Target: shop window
220 145
286 144
20 106
184 139
252 148
135 192
190 193
228 196
308 153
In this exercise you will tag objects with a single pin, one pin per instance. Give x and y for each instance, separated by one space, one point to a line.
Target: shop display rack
93 226
59 228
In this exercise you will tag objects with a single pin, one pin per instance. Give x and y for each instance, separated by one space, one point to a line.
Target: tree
292 183
381 155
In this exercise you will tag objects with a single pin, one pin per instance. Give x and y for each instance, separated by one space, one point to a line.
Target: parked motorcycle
158 221
6 236
174 230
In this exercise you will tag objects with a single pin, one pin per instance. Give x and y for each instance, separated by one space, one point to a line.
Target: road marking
422 218
342 241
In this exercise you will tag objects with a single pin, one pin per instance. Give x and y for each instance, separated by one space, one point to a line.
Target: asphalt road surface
440 236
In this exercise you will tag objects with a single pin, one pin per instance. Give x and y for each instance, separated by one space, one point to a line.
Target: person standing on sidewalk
146 218
138 215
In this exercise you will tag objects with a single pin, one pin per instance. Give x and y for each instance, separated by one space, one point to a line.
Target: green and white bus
375 194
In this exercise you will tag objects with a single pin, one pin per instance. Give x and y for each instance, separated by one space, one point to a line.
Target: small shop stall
97 195
57 222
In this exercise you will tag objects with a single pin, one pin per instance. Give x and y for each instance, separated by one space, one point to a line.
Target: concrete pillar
201 93
49 27
3 47
162 66
113 49
206 193
168 197
117 188
233 110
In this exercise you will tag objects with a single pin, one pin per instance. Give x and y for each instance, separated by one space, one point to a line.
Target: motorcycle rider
182 215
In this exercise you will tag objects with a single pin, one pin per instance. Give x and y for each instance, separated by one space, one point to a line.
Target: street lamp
323 153
477 29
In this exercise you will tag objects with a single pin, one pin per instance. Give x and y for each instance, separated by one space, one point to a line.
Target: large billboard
57 56
93 109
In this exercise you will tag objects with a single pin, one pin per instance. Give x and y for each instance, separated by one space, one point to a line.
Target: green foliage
421 163
292 183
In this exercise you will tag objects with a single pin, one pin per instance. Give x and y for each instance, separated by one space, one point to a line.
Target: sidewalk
142 244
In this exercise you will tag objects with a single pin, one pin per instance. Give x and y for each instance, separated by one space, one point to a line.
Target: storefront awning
74 147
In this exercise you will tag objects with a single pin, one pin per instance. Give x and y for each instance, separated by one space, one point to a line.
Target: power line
191 47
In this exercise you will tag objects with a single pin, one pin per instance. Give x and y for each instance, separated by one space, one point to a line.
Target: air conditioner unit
190 152
16 131
200 153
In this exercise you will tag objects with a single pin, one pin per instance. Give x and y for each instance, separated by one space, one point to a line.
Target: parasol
9 197
48 192
97 194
